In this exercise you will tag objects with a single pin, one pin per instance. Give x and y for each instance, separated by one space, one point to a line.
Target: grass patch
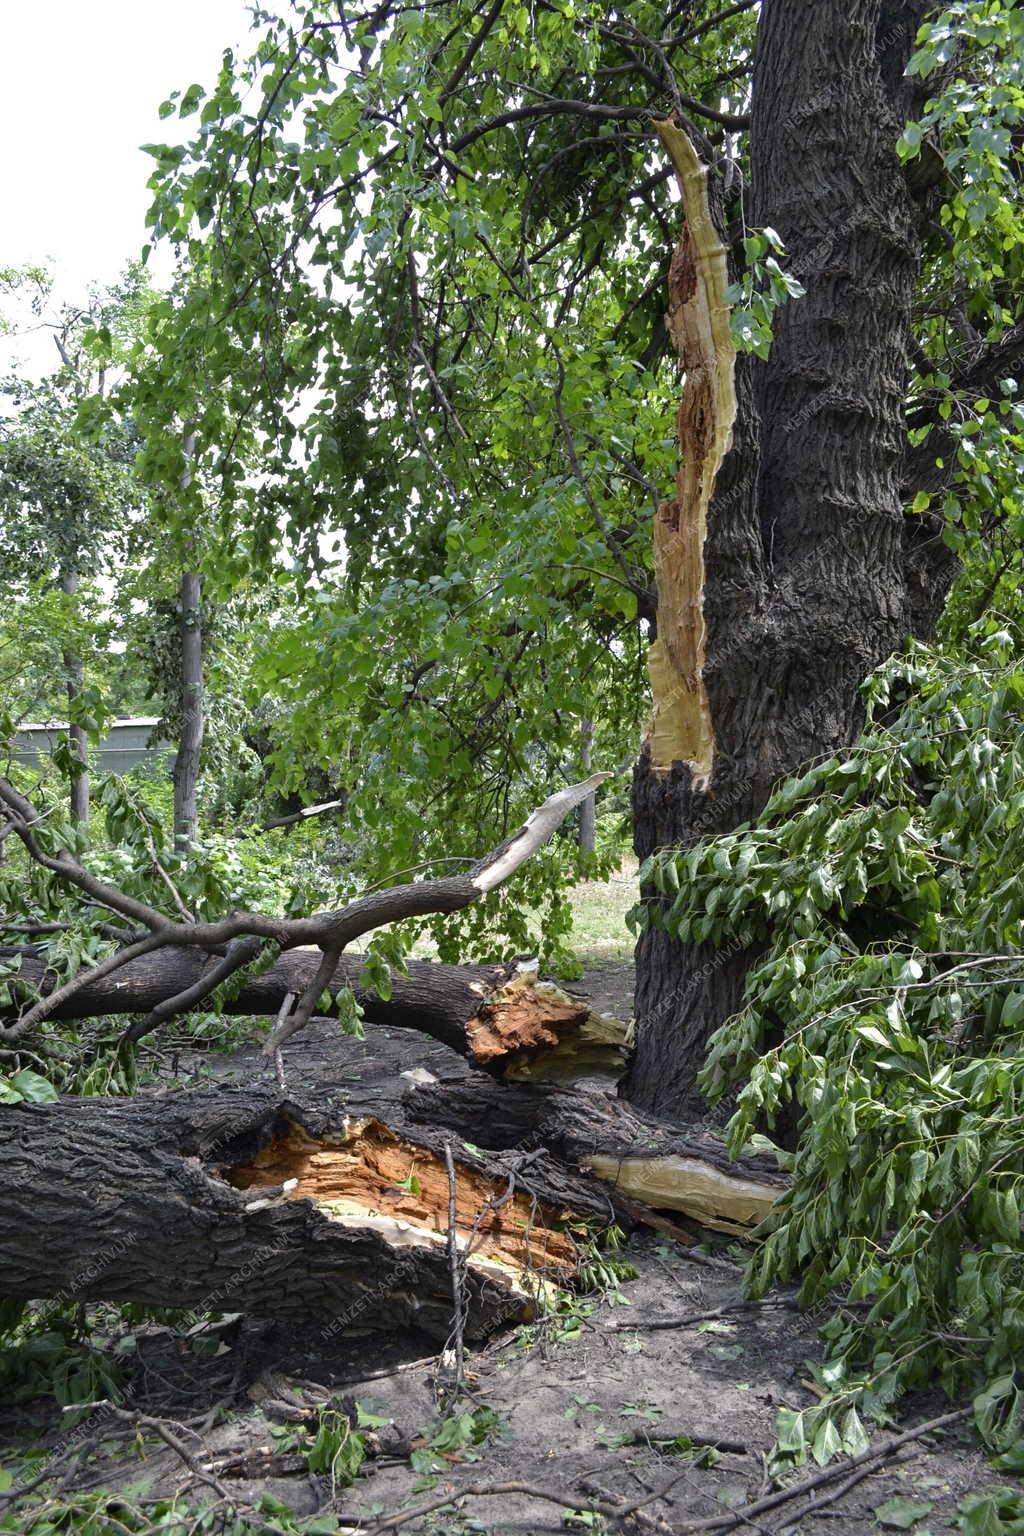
599 910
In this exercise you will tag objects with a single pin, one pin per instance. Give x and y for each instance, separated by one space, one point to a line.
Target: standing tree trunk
779 563
588 809
190 742
190 735
74 673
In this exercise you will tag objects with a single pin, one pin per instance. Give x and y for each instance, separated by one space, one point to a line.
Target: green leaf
983 1514
827 1443
33 1088
789 1430
873 1034
901 1514
367 1420
854 1436
909 144
1011 1460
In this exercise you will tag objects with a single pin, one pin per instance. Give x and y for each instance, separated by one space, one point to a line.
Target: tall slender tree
192 718
67 499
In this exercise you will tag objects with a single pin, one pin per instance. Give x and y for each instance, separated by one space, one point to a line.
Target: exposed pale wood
370 1172
724 1201
680 728
647 1161
303 815
538 828
533 1029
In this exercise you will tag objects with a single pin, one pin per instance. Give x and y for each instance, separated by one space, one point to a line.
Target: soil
609 986
578 1402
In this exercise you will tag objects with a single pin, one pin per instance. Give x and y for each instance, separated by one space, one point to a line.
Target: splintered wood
717 1198
535 1030
372 1177
680 728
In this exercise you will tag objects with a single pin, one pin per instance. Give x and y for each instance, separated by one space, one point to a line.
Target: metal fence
126 745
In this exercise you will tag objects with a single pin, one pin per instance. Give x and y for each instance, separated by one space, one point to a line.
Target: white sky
80 85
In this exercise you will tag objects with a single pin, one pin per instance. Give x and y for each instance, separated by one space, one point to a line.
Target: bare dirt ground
584 1407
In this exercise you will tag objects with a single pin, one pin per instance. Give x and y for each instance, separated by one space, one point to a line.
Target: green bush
883 893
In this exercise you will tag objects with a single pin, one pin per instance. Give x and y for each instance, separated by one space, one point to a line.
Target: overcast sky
80 85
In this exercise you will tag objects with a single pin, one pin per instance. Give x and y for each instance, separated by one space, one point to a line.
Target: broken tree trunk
779 561
188 1200
501 1017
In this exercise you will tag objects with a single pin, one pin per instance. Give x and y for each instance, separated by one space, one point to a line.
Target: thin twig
308 1002
282 1013
167 1435
860 1467
651 1324
455 1342
563 1500
48 1004
165 877
835 1494
830 1474
240 953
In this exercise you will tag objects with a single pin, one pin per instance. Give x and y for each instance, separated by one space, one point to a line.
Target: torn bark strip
681 727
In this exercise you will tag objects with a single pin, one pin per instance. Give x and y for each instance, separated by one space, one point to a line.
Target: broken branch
330 932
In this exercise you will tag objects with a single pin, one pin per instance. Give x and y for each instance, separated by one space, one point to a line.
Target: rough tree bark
188 1199
780 571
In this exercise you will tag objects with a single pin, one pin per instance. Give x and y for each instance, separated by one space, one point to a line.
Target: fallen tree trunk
501 1017
242 941
336 1204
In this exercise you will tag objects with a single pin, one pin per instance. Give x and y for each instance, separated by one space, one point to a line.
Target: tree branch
25 816
240 954
303 815
459 72
306 1005
84 978
930 567
329 931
